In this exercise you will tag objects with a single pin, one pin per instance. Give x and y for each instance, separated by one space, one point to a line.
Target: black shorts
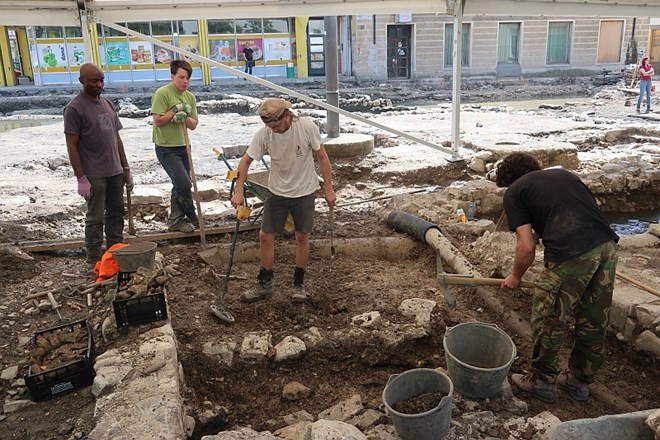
277 209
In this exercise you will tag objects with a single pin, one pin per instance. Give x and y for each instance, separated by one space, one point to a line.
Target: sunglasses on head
268 120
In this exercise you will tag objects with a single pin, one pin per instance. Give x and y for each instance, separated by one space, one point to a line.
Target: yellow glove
180 117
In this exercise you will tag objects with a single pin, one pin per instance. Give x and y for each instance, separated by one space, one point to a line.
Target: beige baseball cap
273 108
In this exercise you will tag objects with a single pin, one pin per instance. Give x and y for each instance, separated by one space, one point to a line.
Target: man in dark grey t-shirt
97 156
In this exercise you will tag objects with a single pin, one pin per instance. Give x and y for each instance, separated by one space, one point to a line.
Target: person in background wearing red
645 74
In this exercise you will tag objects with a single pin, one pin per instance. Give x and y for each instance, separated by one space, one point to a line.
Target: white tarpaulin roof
65 12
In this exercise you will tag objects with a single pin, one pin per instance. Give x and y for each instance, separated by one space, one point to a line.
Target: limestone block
646 315
343 410
241 434
654 229
648 341
367 320
256 345
367 419
420 308
624 299
297 431
638 241
332 429
289 348
383 432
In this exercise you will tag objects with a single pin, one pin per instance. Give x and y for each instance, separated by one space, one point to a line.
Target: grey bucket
136 255
478 357
430 425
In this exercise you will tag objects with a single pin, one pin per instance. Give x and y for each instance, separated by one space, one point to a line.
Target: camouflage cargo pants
581 287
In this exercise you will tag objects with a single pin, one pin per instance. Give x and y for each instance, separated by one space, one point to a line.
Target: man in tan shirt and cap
291 143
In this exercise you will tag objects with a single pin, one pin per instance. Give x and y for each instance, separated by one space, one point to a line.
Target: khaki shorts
277 209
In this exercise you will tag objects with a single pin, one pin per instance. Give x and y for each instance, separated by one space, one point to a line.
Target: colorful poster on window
223 50
191 44
256 44
277 49
52 55
117 53
141 52
162 55
76 54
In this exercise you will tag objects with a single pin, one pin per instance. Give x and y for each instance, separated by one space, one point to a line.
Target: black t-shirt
562 211
248 52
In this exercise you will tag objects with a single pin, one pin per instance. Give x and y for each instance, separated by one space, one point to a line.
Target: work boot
299 292
577 389
532 384
263 290
182 226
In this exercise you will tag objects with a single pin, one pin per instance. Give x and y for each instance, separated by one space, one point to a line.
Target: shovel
129 206
331 220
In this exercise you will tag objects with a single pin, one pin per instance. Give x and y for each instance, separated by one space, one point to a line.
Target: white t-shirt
292 173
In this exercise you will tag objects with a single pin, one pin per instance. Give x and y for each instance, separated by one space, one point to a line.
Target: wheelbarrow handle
222 156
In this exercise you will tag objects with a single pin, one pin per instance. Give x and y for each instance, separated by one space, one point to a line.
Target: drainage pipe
430 234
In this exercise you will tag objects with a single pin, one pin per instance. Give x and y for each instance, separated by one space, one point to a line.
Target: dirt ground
341 288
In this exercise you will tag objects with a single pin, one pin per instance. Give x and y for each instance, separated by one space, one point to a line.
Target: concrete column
205 50
301 46
331 75
7 78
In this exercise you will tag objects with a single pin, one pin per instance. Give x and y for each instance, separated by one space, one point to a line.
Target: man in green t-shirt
174 110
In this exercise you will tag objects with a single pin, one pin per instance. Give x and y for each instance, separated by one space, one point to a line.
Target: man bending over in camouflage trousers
580 266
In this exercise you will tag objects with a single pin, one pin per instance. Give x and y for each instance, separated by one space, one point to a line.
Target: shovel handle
470 281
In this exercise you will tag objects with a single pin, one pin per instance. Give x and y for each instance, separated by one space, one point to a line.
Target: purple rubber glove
84 187
128 179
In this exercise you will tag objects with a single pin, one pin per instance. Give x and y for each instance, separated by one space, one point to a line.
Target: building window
559 41
188 27
449 45
508 42
249 26
110 32
161 28
610 41
276 26
141 27
221 27
49 32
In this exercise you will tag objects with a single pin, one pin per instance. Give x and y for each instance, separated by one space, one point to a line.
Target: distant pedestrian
173 107
97 156
580 265
645 74
292 142
248 54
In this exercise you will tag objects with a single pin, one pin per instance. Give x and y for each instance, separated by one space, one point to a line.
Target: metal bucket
430 425
478 357
136 255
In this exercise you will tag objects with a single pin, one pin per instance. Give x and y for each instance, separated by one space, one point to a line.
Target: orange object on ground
107 266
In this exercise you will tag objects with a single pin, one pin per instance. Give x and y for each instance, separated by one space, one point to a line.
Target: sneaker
183 226
648 110
299 293
577 389
638 110
535 386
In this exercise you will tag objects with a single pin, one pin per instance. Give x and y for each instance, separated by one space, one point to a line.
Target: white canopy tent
109 12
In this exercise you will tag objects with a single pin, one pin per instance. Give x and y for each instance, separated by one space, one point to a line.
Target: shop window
221 27
161 28
49 32
249 27
276 26
559 40
449 45
188 27
72 32
110 32
316 26
141 27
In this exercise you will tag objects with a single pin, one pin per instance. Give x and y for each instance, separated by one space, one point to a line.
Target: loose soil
251 394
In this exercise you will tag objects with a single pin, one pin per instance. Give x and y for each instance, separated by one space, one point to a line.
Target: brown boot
532 384
577 389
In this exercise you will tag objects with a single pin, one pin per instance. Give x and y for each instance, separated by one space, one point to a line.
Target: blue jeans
105 207
248 66
644 88
175 163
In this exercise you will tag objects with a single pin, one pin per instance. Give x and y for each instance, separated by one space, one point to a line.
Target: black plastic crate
142 310
65 378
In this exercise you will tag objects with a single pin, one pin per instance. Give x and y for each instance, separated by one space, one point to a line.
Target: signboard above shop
403 18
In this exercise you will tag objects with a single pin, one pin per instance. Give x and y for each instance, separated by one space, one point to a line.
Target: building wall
429 46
